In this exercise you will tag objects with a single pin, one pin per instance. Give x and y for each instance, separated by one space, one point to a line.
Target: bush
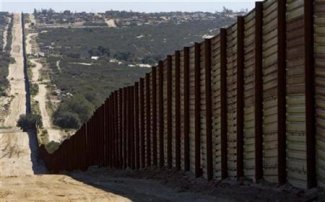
67 120
34 89
29 121
73 111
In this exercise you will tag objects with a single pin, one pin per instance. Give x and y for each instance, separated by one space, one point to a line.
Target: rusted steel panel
151 118
270 91
208 104
186 66
216 105
258 116
173 110
240 96
182 102
154 116
115 129
127 129
124 127
232 100
249 96
148 120
319 50
137 125
177 122
119 135
223 102
197 130
295 99
161 114
145 128
169 111
203 111
310 93
282 174
165 112
142 123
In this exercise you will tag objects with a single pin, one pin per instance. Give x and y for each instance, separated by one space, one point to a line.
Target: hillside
90 55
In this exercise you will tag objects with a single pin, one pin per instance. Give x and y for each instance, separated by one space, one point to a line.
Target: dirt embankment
41 98
16 76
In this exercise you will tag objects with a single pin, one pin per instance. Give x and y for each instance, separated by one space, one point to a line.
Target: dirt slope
41 97
16 76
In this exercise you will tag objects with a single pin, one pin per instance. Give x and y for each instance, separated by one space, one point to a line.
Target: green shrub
29 121
34 89
67 120
73 111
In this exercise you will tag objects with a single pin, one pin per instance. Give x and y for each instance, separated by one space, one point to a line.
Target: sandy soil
170 185
110 22
52 188
41 98
16 76
5 35
29 38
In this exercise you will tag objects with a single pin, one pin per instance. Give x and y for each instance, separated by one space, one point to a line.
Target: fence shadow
38 164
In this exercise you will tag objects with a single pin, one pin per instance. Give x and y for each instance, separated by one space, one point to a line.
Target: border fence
247 103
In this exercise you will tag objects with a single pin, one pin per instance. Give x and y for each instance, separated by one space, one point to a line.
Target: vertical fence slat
161 114
177 112
208 105
223 102
282 174
169 111
154 116
148 120
197 95
142 124
186 109
310 92
258 91
137 123
240 97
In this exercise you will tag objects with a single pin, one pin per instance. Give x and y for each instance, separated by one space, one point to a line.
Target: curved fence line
247 103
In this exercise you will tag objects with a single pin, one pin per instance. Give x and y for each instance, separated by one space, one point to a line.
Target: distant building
94 57
39 54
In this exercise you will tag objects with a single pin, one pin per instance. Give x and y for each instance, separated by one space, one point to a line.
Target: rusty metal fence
248 103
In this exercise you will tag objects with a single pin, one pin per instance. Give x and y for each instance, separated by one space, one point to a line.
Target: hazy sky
134 5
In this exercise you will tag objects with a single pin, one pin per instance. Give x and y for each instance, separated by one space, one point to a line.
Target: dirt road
16 75
52 188
41 97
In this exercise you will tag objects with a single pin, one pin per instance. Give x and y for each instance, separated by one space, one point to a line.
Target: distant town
128 18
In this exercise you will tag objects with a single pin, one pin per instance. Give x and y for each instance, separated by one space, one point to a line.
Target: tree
73 111
29 121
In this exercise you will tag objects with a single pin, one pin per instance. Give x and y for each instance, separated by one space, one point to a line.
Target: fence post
197 111
161 114
186 109
223 101
126 128
142 132
240 97
258 91
120 136
169 111
208 105
310 92
282 175
115 124
177 112
148 119
154 115
137 123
